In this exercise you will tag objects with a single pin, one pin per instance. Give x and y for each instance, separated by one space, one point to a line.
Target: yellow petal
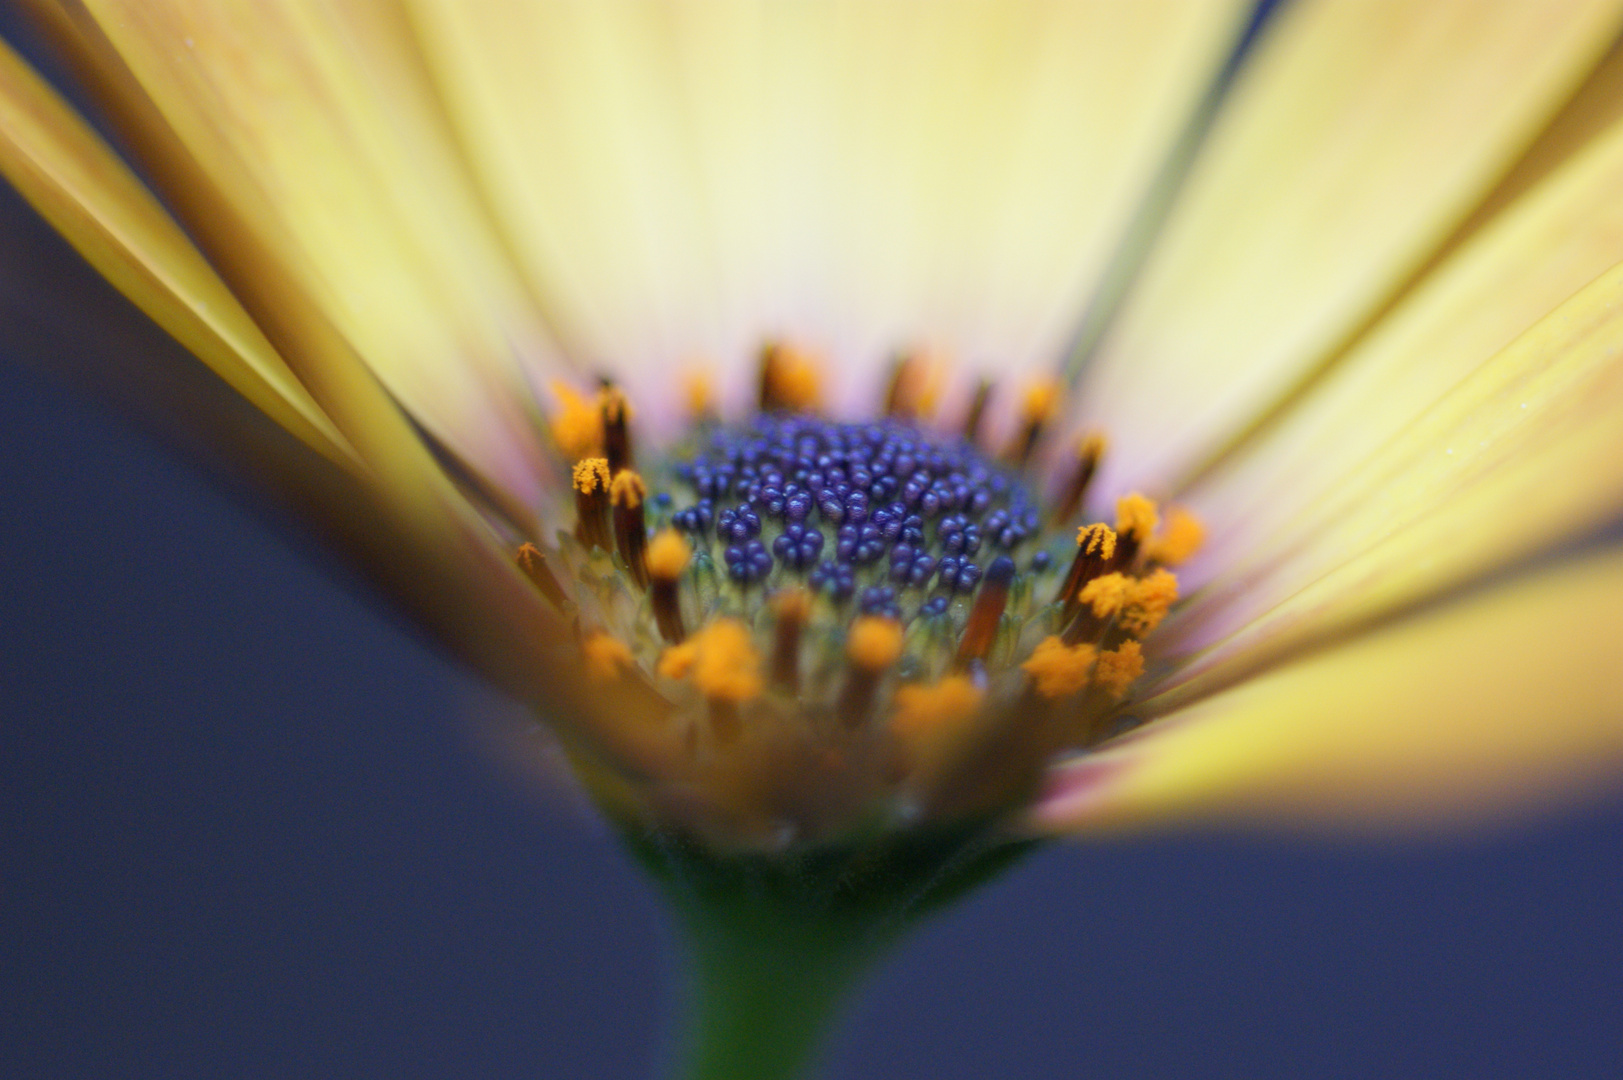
1509 701
1525 452
1552 241
683 178
1275 511
70 176
316 126
1360 134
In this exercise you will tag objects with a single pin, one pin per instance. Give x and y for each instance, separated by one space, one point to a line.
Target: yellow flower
1373 351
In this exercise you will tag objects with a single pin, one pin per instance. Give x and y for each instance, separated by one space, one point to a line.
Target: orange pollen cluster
721 661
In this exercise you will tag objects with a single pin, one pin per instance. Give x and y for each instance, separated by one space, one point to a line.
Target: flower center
883 604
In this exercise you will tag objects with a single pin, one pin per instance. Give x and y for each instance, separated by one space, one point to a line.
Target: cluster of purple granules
858 510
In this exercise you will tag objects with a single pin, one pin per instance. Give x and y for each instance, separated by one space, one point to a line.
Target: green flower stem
776 942
767 983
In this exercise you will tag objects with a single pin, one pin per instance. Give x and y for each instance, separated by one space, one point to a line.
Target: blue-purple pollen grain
881 505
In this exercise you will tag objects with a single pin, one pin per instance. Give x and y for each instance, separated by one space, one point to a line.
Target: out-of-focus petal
682 177
70 176
317 126
1358 137
1523 453
1540 250
1509 701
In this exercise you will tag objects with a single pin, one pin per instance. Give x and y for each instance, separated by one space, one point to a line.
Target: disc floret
853 621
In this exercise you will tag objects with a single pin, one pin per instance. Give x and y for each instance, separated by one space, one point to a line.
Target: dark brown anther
616 428
988 610
592 503
533 562
667 557
1096 550
627 492
1088 453
792 607
977 411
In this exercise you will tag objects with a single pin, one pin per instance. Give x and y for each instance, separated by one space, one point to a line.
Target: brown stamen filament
533 562
627 492
984 617
873 645
792 607
1036 409
896 391
1088 453
666 558
977 411
1095 554
616 412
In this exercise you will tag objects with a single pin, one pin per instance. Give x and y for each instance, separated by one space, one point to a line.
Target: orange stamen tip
577 426
920 710
677 661
1106 594
700 393
792 604
874 642
721 660
1059 670
1136 516
1097 540
1118 668
668 554
591 474
728 668
1092 447
1148 600
1179 540
793 377
606 656
1040 401
628 490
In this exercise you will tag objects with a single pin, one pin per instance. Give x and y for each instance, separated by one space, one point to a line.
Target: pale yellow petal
1525 452
316 126
1359 135
684 178
1556 238
1508 702
71 177
1276 510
